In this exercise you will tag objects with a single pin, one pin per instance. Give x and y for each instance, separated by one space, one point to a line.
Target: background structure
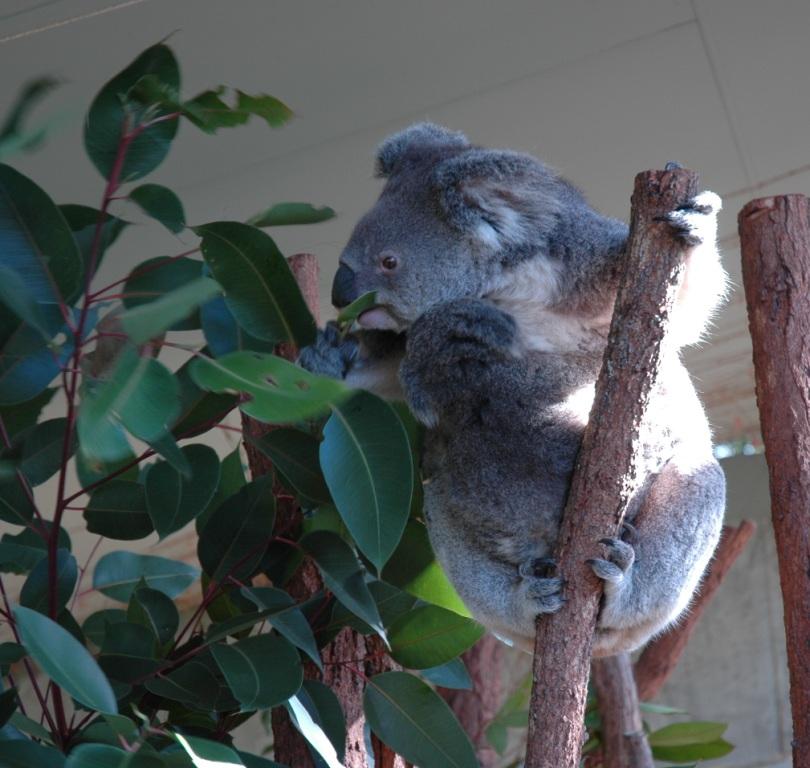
598 90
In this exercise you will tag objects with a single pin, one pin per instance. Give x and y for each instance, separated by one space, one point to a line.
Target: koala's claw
537 567
331 354
695 223
546 594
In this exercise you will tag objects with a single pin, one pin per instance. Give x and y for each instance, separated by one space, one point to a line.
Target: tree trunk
605 477
661 656
624 743
775 241
476 708
290 748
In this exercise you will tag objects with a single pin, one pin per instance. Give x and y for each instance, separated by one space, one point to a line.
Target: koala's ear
506 200
416 139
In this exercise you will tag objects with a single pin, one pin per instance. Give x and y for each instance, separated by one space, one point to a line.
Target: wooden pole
775 243
289 746
624 743
605 475
661 656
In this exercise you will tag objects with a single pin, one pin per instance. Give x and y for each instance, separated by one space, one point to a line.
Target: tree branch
775 241
605 475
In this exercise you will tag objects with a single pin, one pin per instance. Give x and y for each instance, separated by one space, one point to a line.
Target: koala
495 283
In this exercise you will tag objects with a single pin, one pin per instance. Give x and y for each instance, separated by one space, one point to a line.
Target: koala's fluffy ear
416 139
507 200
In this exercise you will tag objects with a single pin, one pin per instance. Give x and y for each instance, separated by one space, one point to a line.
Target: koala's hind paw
541 588
619 560
696 222
331 354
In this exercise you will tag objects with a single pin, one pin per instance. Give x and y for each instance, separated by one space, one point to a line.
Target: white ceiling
600 90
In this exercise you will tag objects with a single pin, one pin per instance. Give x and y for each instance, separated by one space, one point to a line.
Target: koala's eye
389 262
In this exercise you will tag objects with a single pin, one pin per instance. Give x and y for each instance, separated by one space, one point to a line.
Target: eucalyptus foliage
143 682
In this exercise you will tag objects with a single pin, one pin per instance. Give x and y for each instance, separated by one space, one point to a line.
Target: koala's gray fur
492 324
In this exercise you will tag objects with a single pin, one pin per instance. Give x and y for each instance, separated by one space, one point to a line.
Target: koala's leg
651 573
457 357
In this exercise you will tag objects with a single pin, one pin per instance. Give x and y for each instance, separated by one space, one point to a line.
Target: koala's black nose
343 287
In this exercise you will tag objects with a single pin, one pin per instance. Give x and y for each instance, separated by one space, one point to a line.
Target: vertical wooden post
289 746
624 743
775 243
605 475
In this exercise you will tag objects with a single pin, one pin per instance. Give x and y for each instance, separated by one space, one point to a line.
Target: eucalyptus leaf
21 753
351 312
280 391
161 204
156 611
259 287
451 674
223 334
209 112
43 450
284 214
415 722
15 504
64 660
174 501
366 460
118 510
118 574
83 222
35 591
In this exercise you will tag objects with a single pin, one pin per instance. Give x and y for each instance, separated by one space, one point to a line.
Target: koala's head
450 220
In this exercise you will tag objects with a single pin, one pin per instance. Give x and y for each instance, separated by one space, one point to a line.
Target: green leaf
8 703
415 722
34 592
10 653
366 460
118 574
28 364
83 220
223 334
34 729
115 110
208 754
128 653
209 112
160 204
414 568
286 619
64 660
36 241
452 674
42 451
259 287
262 671
95 756
295 457
660 709
325 709
118 510
429 636
391 604
687 752
15 505
682 734
280 391
156 611
231 479
151 320
12 135
154 278
283 214
351 312
343 575
14 294
197 684
96 624
27 754
199 410
141 395
21 417
237 533
21 552
174 501
90 471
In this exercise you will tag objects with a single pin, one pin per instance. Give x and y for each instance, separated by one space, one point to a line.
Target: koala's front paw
696 222
543 590
331 354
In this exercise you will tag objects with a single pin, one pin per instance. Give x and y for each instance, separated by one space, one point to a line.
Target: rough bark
289 746
605 475
475 709
661 656
775 242
624 743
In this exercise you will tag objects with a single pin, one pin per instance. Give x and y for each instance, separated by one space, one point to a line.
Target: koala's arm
651 575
